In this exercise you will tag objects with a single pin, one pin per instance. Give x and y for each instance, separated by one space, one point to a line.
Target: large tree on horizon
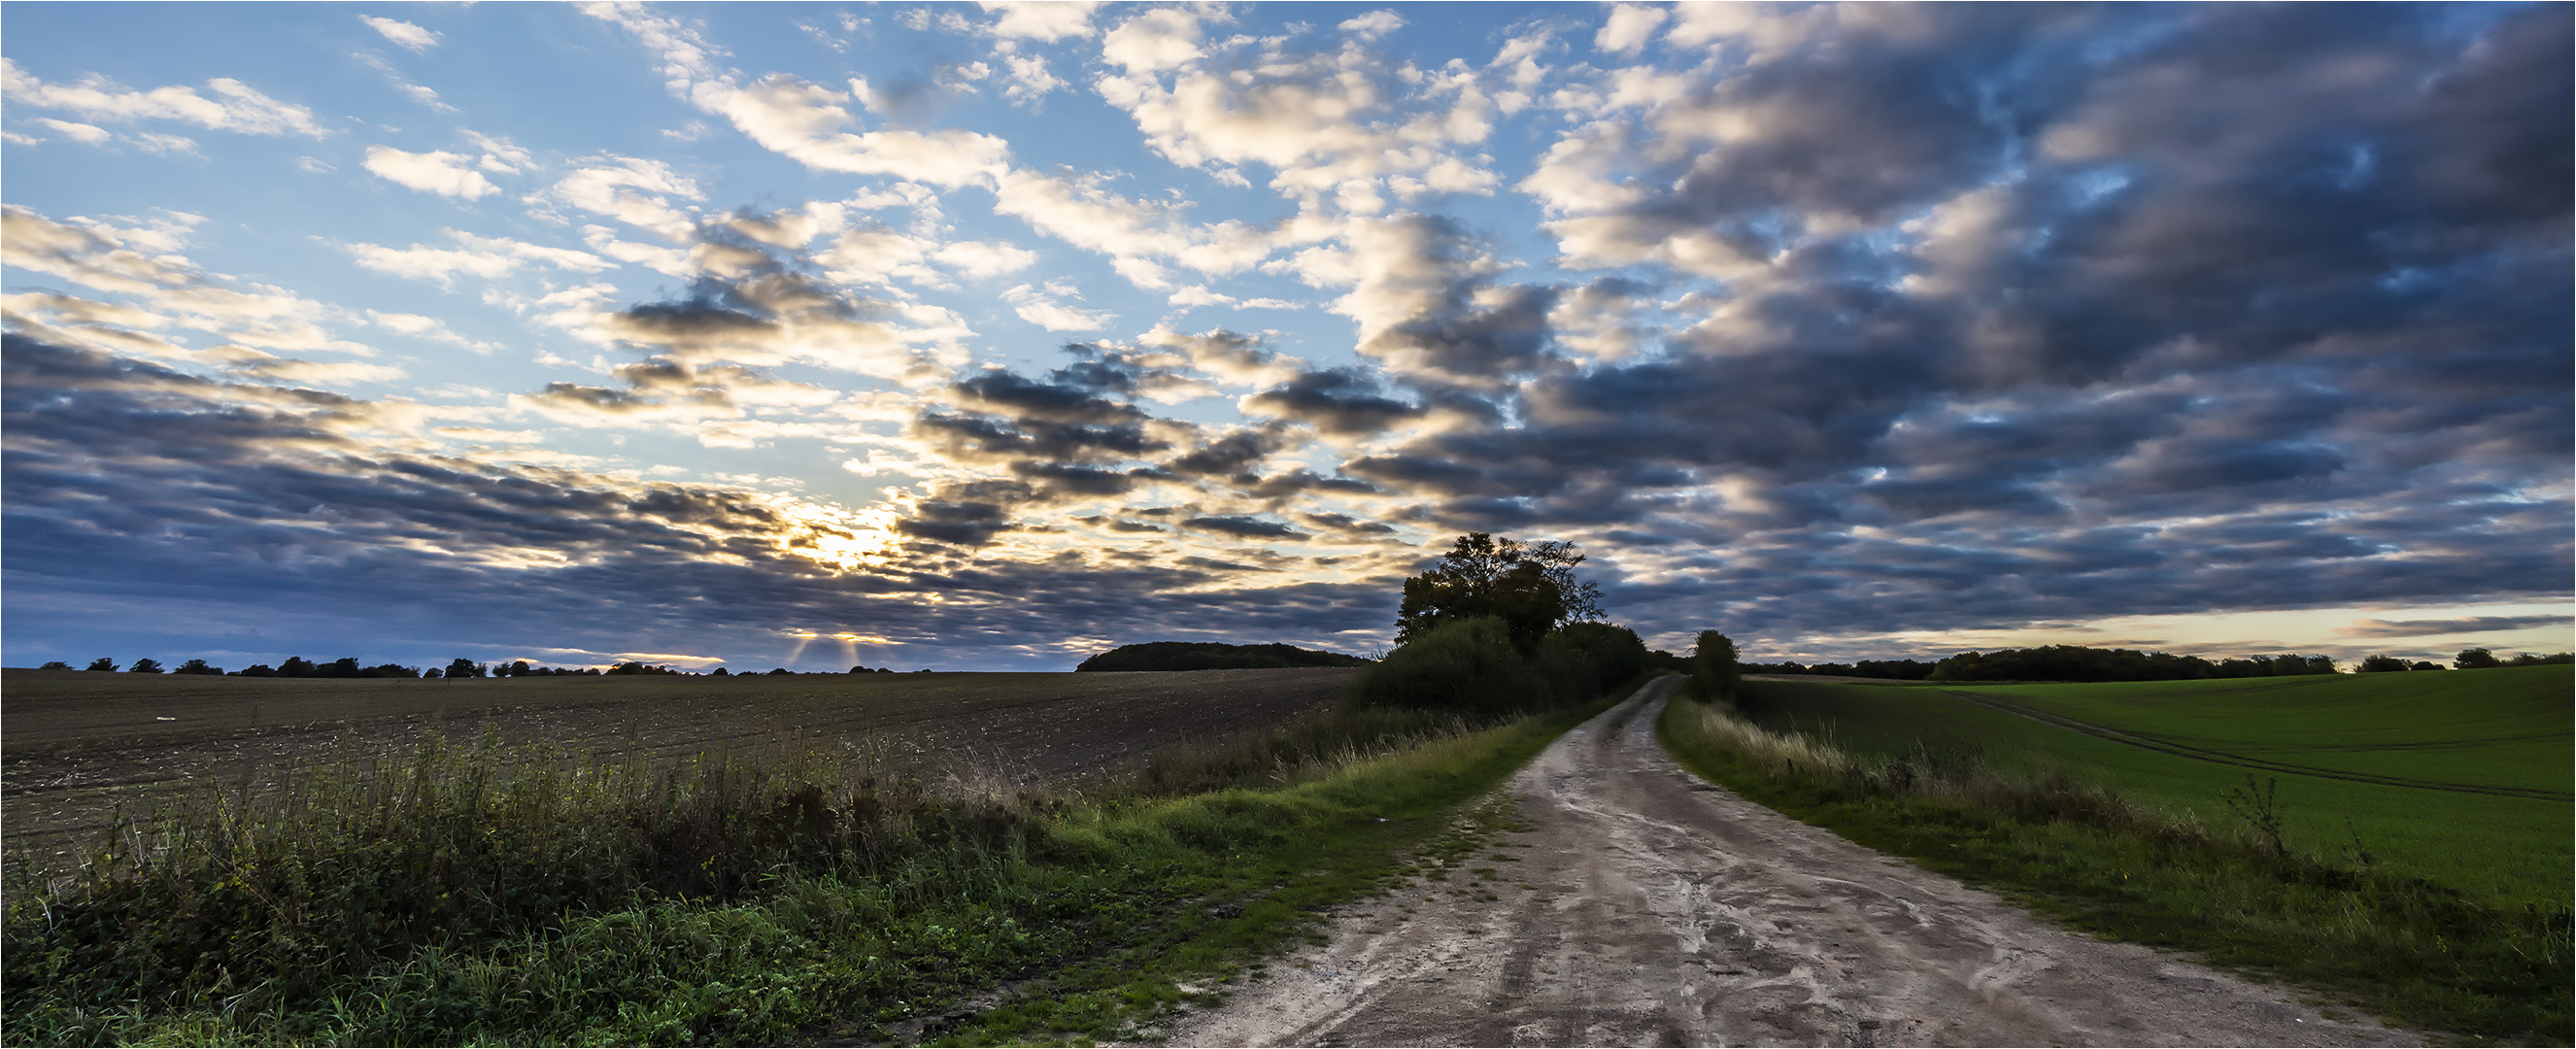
1529 586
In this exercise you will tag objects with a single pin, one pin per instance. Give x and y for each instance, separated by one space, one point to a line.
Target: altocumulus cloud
1838 321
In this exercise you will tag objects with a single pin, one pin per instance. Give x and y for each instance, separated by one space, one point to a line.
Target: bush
1467 665
1583 660
1715 674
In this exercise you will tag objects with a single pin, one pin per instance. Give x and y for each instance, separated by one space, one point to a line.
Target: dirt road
1642 906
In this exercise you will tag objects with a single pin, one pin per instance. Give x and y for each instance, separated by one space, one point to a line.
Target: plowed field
74 744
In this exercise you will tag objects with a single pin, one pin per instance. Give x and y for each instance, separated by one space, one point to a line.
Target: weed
2259 805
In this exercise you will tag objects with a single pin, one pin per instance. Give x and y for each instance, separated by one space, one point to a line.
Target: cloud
1373 25
632 190
141 262
446 174
1046 309
982 259
402 33
85 134
236 107
2440 627
802 121
1155 40
1628 28
1336 124
1048 21
490 258
765 314
1243 527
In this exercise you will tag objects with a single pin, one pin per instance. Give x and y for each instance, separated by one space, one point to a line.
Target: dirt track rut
1648 907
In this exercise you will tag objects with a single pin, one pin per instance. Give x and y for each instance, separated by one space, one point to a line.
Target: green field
2461 778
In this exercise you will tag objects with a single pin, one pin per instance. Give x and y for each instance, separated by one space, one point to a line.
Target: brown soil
1640 905
74 745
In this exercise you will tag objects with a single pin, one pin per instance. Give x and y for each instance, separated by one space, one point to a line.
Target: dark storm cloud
189 509
2072 314
2460 625
1334 400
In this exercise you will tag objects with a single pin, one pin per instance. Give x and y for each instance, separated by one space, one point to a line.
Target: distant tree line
1210 655
2081 663
2468 659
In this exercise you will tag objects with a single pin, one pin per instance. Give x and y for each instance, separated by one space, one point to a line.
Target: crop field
2462 777
77 744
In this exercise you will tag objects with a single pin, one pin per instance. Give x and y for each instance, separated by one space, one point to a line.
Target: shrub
1583 660
1466 665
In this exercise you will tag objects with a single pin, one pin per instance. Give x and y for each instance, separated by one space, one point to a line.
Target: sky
990 336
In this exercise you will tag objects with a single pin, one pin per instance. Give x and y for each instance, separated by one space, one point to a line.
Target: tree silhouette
102 663
145 666
2476 659
1530 587
55 665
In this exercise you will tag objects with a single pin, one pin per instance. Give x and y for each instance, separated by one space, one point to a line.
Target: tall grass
2410 950
479 893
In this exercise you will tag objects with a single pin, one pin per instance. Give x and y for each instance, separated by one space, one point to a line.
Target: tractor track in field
1632 903
2185 750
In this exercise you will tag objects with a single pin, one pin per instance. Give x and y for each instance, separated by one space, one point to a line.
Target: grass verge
2405 949
475 895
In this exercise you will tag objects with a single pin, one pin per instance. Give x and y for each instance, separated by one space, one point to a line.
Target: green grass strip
2404 949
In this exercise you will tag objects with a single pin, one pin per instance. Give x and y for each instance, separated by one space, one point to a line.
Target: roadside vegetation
2424 903
468 893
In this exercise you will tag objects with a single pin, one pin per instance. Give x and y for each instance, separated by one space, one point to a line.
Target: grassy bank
2460 778
2411 950
484 894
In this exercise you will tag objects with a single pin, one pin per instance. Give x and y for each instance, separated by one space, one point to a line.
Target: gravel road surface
1643 906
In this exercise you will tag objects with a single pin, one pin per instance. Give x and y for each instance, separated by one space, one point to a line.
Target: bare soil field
75 744
1632 903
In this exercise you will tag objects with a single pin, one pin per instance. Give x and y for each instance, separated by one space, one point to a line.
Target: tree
1714 671
145 666
295 666
55 665
102 663
2476 659
197 666
1530 587
2381 664
464 667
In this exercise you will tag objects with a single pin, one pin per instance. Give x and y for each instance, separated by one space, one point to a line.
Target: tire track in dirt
1639 905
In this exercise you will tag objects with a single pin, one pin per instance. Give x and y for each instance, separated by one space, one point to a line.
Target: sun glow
843 539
